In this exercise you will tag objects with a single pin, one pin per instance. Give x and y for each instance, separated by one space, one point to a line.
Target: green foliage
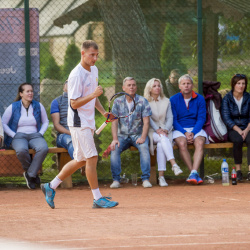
171 52
71 59
239 28
48 66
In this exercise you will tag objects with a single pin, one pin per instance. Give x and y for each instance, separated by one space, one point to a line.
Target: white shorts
83 143
202 133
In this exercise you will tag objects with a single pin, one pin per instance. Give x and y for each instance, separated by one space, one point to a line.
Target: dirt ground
179 216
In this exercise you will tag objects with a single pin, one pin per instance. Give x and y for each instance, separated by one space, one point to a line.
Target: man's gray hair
186 76
128 78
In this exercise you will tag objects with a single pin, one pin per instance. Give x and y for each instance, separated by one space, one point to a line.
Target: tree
133 49
171 52
71 59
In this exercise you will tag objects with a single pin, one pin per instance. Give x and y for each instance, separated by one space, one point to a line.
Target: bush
71 59
171 52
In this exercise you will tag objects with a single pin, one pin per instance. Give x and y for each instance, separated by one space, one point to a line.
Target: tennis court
176 217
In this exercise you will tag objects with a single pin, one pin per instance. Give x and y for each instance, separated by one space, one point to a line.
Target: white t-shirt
239 103
187 101
82 83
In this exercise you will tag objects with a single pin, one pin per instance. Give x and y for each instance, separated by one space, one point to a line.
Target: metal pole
27 41
200 64
199 41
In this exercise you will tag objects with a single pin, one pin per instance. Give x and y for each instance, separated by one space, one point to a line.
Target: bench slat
32 151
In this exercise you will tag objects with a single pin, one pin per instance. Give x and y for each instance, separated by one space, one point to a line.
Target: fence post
27 41
200 63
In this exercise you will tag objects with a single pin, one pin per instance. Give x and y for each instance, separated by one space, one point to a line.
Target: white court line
164 245
143 237
230 199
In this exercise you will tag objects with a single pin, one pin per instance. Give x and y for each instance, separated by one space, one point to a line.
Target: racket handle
98 131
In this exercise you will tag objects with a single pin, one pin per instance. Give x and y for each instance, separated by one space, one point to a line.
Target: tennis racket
111 101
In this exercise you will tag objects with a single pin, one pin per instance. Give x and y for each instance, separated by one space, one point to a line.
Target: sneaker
199 180
176 169
49 194
146 184
192 178
115 184
30 181
162 181
248 176
104 202
38 180
239 175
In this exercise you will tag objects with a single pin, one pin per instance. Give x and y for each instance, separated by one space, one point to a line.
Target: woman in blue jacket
24 122
235 111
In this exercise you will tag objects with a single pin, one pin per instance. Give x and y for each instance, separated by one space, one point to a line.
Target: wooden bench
153 172
63 158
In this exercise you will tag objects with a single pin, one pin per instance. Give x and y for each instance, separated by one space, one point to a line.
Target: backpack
214 126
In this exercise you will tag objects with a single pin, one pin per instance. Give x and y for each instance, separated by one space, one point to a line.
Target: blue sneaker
192 178
199 180
49 194
104 202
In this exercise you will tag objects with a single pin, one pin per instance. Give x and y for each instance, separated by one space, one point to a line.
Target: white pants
164 150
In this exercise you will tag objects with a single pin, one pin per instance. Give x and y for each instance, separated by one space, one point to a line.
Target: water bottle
124 179
234 176
225 173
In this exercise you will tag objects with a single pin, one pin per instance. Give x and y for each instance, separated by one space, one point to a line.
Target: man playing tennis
83 92
130 131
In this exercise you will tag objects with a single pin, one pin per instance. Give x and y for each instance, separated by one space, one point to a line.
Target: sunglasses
240 75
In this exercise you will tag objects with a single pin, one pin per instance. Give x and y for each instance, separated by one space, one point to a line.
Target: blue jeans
125 143
22 142
65 141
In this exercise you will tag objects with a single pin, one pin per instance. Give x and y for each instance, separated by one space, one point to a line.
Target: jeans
125 143
237 140
65 141
22 142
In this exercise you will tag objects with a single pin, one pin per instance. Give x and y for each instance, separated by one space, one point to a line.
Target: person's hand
190 137
140 140
111 116
244 133
98 91
113 143
160 131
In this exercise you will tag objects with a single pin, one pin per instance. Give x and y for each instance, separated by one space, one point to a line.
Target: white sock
193 172
55 183
96 193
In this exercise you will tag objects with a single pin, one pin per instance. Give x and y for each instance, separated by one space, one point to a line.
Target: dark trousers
237 140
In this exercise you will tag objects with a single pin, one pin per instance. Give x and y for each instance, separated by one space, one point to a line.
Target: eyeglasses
240 75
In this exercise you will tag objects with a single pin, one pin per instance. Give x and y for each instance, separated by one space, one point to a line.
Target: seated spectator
189 116
235 111
172 82
130 131
59 112
25 121
160 131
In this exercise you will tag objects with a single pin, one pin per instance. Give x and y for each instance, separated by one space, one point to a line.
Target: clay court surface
179 216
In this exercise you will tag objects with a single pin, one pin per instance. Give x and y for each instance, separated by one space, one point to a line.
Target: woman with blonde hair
161 123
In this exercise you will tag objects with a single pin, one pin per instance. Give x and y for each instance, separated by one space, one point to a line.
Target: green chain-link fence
139 38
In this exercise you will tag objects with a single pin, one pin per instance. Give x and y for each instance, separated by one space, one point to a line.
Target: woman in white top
24 123
161 122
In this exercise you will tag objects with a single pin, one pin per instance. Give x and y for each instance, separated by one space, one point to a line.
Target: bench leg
64 158
153 172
